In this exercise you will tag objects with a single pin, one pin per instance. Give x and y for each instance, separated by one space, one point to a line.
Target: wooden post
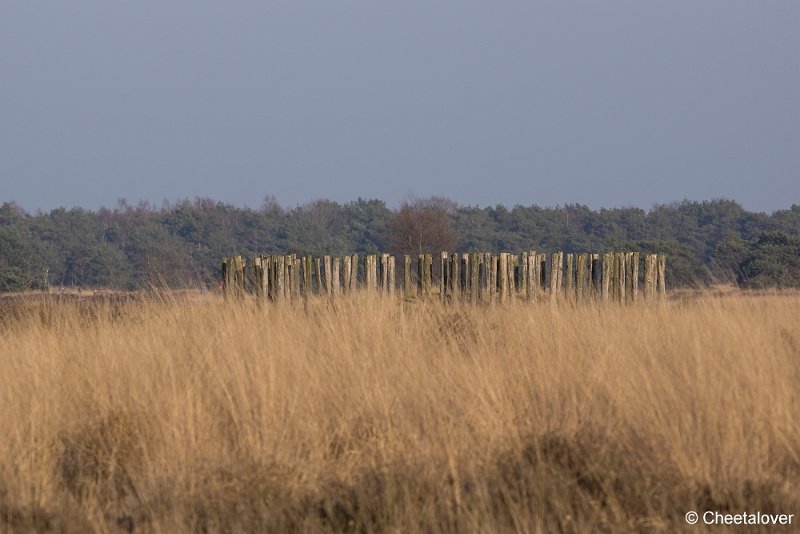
579 278
295 276
371 266
335 284
634 282
608 272
619 270
513 263
587 276
234 274
474 276
570 285
347 262
289 275
354 273
326 266
649 277
533 276
420 269
280 277
427 273
444 261
661 281
493 264
483 277
303 275
318 275
454 276
595 276
390 275
408 287
502 276
384 270
543 271
560 272
310 274
628 258
269 266
265 276
523 276
586 273
555 277
258 276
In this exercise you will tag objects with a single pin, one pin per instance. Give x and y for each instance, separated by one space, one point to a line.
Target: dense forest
180 244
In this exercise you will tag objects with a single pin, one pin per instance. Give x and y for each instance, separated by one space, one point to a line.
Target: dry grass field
367 415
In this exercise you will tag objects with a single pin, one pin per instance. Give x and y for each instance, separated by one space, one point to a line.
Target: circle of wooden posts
471 277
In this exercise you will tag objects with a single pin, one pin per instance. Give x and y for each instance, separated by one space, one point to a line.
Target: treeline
181 244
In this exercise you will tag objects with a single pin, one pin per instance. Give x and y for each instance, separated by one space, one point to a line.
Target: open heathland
187 413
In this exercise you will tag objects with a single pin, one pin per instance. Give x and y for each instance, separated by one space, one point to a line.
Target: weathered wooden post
463 279
268 263
304 276
634 275
494 261
335 286
543 271
326 274
661 282
570 285
391 275
454 276
502 276
259 277
318 275
287 275
371 271
280 277
474 276
523 276
619 270
347 265
444 278
295 274
649 281
628 263
427 272
608 273
555 276
354 273
586 273
579 278
485 274
408 287
596 271
384 272
267 283
513 262
533 276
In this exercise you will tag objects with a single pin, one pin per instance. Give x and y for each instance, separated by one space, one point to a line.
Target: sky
607 104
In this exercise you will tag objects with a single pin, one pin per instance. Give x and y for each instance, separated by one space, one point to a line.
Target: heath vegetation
187 413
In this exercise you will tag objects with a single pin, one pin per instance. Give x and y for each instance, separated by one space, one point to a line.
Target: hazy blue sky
605 103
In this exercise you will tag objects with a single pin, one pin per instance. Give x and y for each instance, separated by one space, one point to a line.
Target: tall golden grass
369 415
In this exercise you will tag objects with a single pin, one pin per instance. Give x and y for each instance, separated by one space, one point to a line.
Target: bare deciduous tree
423 225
